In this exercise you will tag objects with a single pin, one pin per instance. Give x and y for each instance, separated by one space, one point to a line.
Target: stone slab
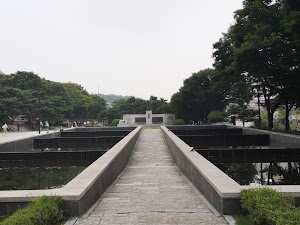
151 190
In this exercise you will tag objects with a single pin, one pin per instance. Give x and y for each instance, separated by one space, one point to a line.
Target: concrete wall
92 129
219 189
26 144
196 127
277 139
86 188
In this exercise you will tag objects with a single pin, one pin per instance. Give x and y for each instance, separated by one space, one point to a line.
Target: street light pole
39 112
258 105
37 91
39 121
256 85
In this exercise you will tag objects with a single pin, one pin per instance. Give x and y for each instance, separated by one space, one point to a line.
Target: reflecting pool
257 166
42 171
32 178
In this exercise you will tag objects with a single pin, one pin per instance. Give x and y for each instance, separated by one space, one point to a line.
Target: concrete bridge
149 177
150 190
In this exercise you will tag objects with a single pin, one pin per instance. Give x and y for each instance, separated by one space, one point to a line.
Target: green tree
258 41
115 122
26 93
17 95
178 122
290 23
98 105
227 80
80 100
123 106
242 112
55 102
159 105
217 116
197 97
258 50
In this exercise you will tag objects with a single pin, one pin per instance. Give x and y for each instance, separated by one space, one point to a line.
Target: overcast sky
124 47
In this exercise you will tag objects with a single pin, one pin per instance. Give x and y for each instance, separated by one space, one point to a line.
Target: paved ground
150 191
17 135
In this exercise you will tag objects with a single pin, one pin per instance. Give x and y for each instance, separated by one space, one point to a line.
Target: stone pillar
149 117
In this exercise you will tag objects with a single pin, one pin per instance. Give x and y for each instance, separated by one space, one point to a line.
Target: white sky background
126 47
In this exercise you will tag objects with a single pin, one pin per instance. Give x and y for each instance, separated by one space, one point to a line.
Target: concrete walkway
150 191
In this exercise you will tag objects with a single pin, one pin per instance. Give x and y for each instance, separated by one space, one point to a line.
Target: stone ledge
218 188
86 188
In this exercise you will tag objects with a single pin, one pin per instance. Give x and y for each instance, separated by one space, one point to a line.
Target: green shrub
115 122
217 116
178 122
243 220
43 210
267 206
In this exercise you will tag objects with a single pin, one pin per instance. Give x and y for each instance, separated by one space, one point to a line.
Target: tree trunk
270 121
270 114
287 113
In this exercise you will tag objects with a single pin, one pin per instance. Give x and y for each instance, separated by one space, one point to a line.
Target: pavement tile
151 190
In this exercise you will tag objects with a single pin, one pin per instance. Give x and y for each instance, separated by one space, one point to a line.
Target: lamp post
258 106
256 86
39 112
39 105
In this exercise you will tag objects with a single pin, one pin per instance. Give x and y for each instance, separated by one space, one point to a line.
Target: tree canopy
261 50
197 97
25 93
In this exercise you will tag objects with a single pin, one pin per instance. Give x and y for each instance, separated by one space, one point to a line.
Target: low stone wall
91 129
26 144
196 127
86 188
277 139
219 189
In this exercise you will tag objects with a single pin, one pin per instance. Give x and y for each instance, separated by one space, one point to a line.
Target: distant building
149 118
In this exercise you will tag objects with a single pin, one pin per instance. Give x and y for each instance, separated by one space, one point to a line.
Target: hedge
115 122
46 210
178 122
269 207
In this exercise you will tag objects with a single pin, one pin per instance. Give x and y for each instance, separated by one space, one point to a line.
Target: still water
273 173
258 165
29 175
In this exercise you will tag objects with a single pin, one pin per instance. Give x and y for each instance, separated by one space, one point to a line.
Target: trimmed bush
178 122
46 210
267 206
115 122
217 116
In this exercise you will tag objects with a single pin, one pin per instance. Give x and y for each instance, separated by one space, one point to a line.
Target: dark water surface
32 175
279 173
257 166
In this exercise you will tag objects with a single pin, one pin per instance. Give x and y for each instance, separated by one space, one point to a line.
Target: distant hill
111 98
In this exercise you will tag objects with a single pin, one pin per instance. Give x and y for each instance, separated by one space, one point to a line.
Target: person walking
4 127
47 126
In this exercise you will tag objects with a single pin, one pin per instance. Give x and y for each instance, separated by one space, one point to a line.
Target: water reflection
273 173
28 176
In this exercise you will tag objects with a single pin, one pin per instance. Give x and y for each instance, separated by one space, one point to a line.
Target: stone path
150 191
18 135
